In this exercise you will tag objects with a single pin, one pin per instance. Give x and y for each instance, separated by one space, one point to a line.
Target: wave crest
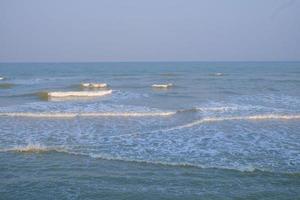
251 117
79 94
34 148
87 114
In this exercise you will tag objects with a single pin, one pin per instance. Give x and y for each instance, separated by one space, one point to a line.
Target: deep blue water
226 130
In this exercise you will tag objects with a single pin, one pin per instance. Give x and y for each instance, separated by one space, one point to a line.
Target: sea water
223 130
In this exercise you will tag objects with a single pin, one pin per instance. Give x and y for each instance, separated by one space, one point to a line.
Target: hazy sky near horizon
144 30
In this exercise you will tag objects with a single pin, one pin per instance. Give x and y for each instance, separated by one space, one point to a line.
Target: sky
149 30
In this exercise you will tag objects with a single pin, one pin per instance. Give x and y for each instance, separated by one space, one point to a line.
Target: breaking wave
71 95
34 148
79 94
63 149
251 117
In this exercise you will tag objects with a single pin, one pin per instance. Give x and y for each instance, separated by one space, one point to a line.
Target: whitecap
94 85
162 85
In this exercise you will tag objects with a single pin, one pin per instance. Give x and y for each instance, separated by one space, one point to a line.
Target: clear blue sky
149 30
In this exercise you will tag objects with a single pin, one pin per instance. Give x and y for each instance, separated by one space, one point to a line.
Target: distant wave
94 85
217 74
165 86
114 114
204 109
87 114
79 94
71 94
170 74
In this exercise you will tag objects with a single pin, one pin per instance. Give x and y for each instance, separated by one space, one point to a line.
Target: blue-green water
234 135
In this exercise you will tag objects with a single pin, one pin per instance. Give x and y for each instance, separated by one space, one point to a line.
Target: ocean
222 130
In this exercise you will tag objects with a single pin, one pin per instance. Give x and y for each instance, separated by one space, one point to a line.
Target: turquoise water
222 131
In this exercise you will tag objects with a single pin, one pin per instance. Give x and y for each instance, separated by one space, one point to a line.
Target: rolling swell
37 149
250 117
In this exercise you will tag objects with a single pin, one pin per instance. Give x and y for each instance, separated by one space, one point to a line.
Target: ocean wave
217 74
173 164
251 117
165 86
79 94
70 95
170 74
94 85
214 109
36 148
87 114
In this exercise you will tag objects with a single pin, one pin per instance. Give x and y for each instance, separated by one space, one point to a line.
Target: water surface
223 131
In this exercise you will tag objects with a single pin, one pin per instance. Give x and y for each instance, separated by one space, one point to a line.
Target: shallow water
222 131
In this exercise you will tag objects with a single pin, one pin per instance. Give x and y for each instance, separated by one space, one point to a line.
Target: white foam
162 85
1 78
79 94
33 148
87 114
94 85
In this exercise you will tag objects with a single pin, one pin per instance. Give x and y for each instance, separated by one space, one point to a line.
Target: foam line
79 94
87 114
